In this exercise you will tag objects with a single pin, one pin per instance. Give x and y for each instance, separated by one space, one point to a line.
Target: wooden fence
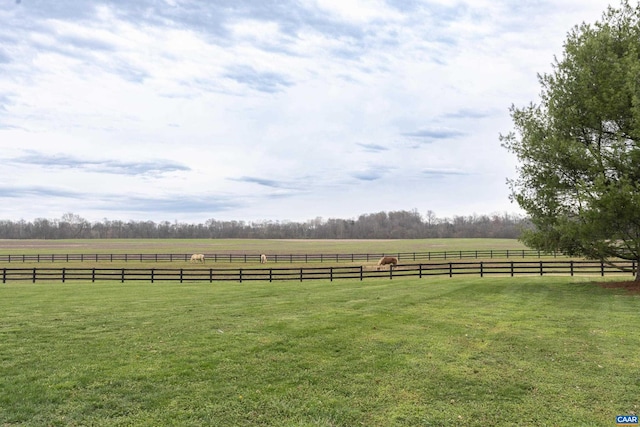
282 258
480 268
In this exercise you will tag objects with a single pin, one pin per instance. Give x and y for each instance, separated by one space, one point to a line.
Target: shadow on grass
631 286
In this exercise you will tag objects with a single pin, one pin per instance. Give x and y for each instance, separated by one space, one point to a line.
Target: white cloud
190 110
357 11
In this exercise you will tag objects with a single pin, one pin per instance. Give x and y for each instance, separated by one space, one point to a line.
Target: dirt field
630 286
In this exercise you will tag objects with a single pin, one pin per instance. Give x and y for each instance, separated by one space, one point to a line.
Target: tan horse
263 259
390 260
197 257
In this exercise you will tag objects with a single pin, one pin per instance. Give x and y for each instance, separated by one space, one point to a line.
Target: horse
197 257
263 259
391 260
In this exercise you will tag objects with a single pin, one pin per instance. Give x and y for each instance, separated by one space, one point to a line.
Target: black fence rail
480 268
283 258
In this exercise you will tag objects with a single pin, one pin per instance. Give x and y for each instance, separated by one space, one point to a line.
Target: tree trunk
637 266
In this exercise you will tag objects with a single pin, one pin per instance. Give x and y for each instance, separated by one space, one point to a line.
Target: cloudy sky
267 110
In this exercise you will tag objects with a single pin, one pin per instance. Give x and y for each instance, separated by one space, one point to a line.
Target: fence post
541 268
511 268
270 275
420 271
93 275
122 277
481 269
450 270
34 275
602 268
64 270
361 272
301 274
4 275
152 274
240 275
211 275
571 267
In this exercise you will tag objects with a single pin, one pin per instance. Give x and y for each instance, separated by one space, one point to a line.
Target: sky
262 110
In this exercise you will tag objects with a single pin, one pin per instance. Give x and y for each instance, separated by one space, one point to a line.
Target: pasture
249 246
434 351
476 352
277 251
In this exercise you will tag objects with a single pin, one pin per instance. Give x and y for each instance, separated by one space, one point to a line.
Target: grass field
431 352
238 247
249 246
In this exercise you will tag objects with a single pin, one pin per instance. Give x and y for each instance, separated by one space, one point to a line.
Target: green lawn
250 246
471 351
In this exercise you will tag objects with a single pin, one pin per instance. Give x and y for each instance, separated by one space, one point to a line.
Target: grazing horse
197 257
263 259
391 260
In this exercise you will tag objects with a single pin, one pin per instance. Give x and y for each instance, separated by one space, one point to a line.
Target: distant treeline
382 225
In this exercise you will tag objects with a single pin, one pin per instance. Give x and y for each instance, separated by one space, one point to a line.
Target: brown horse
390 260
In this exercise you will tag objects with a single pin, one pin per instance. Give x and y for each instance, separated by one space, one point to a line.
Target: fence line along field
232 251
111 260
277 258
481 268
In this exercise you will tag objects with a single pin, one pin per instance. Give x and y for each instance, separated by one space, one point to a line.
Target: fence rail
481 268
283 258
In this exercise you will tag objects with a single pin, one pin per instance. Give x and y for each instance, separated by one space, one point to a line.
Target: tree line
381 225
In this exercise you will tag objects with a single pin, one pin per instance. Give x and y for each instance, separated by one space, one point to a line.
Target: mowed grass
403 352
